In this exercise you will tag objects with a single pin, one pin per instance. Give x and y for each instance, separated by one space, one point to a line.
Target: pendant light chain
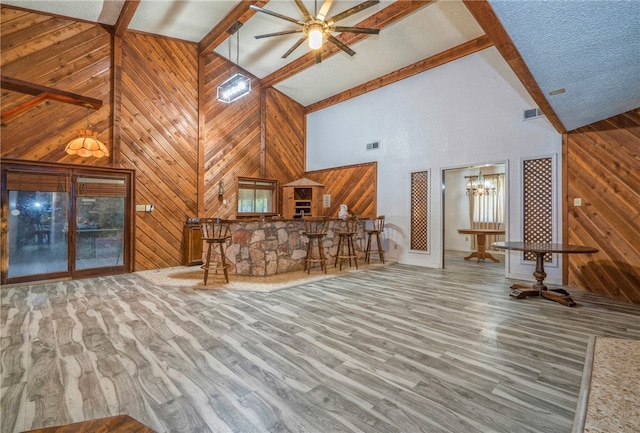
238 50
229 53
237 32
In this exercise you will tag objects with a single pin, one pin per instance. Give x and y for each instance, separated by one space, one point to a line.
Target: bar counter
263 247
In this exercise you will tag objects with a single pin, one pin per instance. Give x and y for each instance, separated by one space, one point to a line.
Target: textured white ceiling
186 20
591 48
104 12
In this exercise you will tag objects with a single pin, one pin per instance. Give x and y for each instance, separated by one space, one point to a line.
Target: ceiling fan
320 28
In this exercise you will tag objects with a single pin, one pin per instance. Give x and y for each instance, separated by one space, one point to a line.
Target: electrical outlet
466 238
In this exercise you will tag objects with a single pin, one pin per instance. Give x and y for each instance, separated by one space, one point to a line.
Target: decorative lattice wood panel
420 211
538 203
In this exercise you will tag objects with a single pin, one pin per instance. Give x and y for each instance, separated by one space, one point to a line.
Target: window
256 196
489 208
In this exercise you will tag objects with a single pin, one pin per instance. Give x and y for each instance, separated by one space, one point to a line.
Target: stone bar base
263 248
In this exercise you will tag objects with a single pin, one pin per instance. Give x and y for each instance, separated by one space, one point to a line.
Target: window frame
259 184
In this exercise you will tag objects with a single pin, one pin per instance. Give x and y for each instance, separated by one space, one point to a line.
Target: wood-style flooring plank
390 349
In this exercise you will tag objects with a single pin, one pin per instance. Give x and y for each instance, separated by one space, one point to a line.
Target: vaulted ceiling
579 60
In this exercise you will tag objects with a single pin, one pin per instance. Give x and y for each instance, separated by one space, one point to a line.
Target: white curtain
488 211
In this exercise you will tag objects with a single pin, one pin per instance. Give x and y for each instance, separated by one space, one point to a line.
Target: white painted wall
456 210
464 113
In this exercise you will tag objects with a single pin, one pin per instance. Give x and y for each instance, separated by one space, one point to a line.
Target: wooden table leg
559 295
472 255
520 291
481 254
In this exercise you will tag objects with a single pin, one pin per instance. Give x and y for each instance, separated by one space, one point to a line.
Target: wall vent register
532 113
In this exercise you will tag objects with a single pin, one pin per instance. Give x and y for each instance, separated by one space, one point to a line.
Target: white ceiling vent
532 113
373 146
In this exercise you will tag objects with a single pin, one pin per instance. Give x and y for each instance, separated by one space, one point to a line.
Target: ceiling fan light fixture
317 29
315 36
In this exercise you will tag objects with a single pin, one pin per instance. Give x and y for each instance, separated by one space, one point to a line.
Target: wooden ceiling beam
41 93
470 47
126 15
387 16
490 23
218 34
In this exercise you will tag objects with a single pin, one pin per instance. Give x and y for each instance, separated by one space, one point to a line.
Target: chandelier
86 143
238 85
479 185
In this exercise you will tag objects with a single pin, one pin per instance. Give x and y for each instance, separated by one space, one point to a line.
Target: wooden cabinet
191 245
302 198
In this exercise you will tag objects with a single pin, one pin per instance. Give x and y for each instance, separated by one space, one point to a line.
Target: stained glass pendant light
86 143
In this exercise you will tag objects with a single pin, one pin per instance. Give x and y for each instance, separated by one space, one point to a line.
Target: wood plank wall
603 169
261 135
353 185
59 53
285 132
231 139
159 130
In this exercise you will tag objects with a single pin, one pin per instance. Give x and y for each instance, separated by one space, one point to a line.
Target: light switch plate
577 201
326 200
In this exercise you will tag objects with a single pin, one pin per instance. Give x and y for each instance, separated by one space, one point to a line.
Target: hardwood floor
393 349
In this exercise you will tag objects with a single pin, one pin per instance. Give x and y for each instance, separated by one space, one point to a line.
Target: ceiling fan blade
296 45
318 57
353 10
303 9
355 30
286 32
340 45
324 10
275 14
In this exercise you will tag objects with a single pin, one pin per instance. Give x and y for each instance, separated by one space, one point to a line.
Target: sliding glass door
63 221
37 223
100 205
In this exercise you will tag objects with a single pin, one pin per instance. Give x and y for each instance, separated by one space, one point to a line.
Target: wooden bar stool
315 229
215 231
376 230
347 230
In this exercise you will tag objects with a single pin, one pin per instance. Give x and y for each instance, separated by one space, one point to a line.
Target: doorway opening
474 201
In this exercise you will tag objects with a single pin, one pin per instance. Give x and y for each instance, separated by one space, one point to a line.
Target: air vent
532 113
373 146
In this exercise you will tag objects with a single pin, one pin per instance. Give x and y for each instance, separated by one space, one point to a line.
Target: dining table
540 249
481 243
